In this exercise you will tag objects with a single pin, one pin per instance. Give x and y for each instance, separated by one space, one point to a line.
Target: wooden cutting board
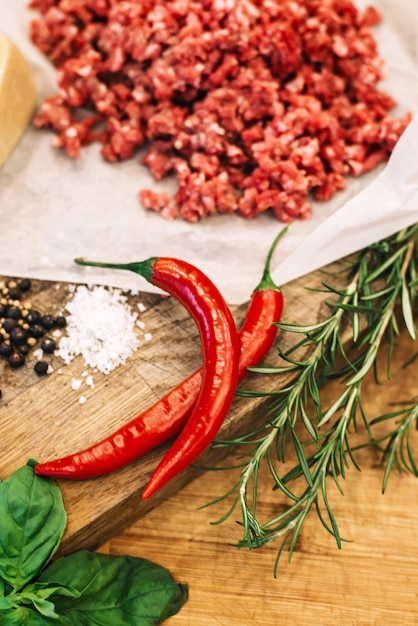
42 418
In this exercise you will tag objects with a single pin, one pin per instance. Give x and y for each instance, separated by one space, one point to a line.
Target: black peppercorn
22 327
25 284
18 335
41 368
48 345
9 323
14 293
6 348
16 359
13 312
47 321
33 316
37 331
61 321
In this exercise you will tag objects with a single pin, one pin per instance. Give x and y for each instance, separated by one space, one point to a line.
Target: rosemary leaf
367 313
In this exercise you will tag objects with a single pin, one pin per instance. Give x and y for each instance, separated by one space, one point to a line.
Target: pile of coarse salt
101 328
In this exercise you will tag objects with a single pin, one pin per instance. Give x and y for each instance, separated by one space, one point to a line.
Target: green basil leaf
38 594
45 590
32 522
114 590
43 606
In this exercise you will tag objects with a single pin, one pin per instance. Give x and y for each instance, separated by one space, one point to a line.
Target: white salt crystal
75 383
147 336
100 328
82 399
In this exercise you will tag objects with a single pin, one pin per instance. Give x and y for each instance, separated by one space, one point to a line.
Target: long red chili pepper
166 418
220 351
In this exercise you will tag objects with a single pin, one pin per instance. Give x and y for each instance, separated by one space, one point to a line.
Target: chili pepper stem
143 268
266 281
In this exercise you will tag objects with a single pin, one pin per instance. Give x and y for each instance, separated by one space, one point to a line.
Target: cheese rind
17 96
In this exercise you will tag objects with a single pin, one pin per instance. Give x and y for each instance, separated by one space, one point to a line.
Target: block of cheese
17 96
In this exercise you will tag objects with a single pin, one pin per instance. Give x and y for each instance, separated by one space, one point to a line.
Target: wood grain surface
372 580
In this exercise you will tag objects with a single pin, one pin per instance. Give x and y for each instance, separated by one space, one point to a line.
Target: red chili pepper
183 451
220 348
166 418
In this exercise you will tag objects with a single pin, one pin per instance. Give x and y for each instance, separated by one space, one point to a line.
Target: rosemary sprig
398 452
376 302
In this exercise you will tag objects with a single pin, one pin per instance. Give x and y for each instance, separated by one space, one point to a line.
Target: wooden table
371 581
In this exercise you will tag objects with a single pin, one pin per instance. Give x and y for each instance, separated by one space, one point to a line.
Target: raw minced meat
253 105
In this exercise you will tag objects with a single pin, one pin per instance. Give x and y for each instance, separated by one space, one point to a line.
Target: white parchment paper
54 209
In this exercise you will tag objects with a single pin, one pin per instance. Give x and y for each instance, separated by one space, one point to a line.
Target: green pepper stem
266 280
143 268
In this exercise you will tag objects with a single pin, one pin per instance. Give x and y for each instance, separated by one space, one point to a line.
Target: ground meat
254 105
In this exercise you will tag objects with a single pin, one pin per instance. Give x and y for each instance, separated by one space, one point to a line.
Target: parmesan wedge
17 96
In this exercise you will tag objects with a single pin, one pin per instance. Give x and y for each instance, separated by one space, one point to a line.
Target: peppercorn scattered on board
17 96
42 417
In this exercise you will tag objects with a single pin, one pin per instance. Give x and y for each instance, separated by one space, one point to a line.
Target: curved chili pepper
220 348
166 418
182 453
